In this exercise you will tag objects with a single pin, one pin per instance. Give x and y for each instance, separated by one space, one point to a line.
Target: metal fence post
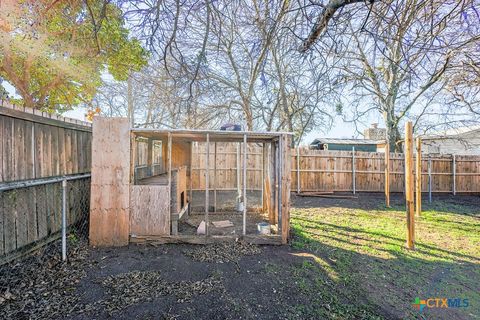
64 219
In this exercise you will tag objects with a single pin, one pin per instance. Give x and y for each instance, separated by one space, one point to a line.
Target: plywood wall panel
150 210
110 203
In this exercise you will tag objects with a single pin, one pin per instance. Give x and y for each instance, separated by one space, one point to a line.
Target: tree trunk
392 134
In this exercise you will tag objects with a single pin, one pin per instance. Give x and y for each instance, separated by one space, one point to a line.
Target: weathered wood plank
8 145
29 150
2 213
21 225
11 113
149 210
32 229
194 239
109 204
42 211
55 151
9 217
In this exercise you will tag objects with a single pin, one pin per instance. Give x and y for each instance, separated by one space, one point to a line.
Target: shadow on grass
376 270
460 204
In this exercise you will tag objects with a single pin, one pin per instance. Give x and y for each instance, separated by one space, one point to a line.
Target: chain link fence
38 212
44 225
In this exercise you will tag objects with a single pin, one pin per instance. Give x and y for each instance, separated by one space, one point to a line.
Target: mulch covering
222 252
43 287
131 288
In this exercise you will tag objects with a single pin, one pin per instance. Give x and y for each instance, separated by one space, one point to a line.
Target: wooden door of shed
149 210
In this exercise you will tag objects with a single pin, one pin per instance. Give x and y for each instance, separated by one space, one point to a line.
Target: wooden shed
142 186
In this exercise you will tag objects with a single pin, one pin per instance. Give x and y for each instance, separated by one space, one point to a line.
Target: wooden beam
429 180
409 185
244 184
353 171
418 178
387 175
239 188
454 175
174 222
274 158
298 169
150 157
207 182
190 198
215 178
285 182
194 239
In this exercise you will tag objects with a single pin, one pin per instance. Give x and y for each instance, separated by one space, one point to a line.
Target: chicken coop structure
141 186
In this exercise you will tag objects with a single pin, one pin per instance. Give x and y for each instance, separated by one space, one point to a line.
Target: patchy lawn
347 261
360 246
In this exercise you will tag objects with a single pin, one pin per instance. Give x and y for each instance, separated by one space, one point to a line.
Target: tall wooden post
285 179
387 174
429 179
244 184
298 169
418 178
207 182
354 183
174 222
190 197
454 175
215 178
150 157
409 185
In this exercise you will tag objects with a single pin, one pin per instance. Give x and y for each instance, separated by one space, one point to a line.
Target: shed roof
214 135
345 141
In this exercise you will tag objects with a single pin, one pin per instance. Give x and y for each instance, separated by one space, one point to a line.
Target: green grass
361 258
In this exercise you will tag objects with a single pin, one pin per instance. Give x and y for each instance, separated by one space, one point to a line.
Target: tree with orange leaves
54 52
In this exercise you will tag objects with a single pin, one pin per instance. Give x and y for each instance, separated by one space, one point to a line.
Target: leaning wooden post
387 174
207 182
418 178
409 185
244 184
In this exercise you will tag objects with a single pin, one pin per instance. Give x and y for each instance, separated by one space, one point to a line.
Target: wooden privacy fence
341 171
36 150
226 166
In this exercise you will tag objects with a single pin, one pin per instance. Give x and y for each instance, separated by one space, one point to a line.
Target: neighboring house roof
452 133
345 141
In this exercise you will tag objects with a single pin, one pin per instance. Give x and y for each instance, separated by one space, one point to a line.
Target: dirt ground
224 281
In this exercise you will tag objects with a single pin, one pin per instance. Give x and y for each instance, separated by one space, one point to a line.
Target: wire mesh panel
78 208
36 216
32 213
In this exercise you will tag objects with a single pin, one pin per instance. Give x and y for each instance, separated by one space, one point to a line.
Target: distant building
333 144
374 141
464 140
375 133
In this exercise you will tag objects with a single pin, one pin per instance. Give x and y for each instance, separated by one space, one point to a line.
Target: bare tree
397 63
